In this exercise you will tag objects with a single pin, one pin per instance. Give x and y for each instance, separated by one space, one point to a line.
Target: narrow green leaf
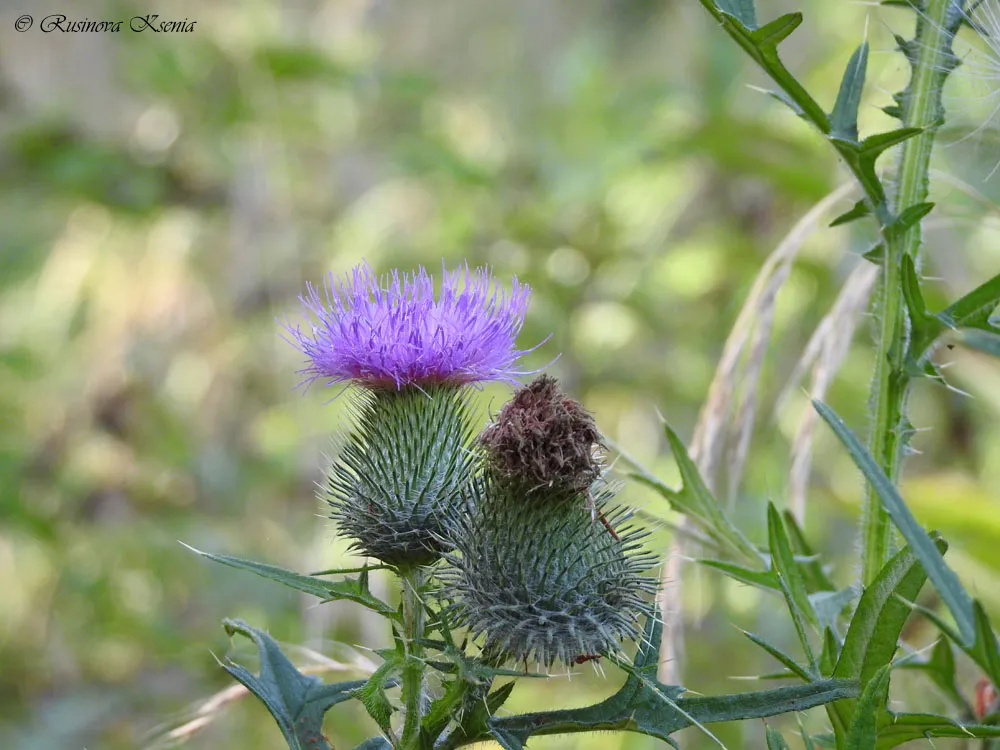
790 579
742 10
372 694
944 579
975 309
780 655
297 702
873 635
871 705
775 741
903 728
874 145
876 254
907 219
740 25
812 571
355 590
775 32
858 211
343 571
785 99
439 714
986 644
940 668
924 326
844 118
763 579
695 501
830 654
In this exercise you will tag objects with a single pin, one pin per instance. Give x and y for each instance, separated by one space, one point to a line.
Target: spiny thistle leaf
864 728
907 218
844 118
791 582
902 728
352 589
940 668
975 634
696 501
763 579
649 707
372 693
781 656
775 741
738 18
858 211
297 702
402 472
873 635
976 309
924 326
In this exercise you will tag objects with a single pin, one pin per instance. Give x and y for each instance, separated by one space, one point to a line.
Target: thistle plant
510 544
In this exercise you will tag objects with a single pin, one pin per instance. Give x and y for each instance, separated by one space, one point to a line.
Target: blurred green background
165 198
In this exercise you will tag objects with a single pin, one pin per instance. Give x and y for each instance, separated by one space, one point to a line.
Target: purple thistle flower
390 331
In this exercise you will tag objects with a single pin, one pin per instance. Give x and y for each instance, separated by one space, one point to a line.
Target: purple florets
390 331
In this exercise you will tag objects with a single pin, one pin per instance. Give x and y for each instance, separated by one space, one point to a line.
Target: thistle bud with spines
543 567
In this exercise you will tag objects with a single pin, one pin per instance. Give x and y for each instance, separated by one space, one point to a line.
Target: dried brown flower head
543 438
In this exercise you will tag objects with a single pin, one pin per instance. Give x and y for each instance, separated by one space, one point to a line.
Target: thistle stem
931 60
412 677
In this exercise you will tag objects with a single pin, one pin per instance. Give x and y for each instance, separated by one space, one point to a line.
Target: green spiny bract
542 579
401 472
538 568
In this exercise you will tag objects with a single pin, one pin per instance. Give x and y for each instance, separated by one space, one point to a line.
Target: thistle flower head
541 437
391 331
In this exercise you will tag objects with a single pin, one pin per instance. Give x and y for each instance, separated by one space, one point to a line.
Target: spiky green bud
402 471
541 580
542 567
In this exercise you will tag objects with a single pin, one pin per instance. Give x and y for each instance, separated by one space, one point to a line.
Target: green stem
931 60
412 677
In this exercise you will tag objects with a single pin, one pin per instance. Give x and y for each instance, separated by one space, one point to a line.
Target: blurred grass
164 199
